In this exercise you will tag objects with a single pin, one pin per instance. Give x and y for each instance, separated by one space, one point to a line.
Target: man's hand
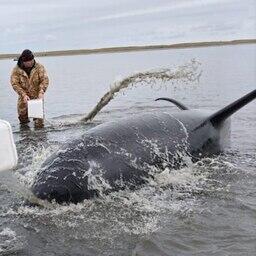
26 98
40 96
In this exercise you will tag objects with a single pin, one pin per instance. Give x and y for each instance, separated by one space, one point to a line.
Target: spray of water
187 73
12 182
127 214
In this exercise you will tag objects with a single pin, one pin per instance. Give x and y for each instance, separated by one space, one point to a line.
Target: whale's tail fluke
227 111
175 102
218 117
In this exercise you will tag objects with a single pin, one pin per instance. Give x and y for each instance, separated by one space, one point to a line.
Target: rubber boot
24 122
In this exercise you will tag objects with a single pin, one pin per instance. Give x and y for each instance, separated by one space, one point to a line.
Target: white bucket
8 153
36 108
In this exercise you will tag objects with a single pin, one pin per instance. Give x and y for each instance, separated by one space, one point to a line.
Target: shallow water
208 208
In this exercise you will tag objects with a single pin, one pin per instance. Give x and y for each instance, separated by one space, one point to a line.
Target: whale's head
63 177
62 185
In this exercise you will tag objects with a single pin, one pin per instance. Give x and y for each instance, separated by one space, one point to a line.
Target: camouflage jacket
31 85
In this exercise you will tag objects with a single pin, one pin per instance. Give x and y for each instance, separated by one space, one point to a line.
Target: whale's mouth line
58 193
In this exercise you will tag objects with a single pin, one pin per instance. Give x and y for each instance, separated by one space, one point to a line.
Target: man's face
28 64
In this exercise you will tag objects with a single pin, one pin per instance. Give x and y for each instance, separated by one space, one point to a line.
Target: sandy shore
133 48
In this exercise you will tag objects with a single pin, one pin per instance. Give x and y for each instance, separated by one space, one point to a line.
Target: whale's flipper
178 104
218 117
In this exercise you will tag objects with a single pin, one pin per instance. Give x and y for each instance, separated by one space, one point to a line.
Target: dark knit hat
27 55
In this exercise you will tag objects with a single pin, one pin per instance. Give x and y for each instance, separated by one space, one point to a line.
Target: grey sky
64 24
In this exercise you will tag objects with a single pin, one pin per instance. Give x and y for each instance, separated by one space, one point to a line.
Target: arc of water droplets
189 72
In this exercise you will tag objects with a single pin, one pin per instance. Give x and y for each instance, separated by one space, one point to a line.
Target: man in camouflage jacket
29 79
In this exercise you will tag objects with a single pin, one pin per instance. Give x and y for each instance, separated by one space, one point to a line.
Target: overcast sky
64 24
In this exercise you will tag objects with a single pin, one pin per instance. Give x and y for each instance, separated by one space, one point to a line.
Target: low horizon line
132 48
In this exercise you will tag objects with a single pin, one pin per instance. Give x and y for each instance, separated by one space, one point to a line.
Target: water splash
19 181
11 181
125 215
187 73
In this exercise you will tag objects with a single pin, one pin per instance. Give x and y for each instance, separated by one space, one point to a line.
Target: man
29 79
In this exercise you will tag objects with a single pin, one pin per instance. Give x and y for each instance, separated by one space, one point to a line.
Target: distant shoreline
132 48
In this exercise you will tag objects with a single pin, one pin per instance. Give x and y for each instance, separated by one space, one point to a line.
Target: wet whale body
125 153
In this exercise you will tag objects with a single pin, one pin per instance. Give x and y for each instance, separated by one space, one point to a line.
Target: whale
126 153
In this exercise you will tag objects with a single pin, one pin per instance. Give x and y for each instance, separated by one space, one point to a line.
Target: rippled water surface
207 208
